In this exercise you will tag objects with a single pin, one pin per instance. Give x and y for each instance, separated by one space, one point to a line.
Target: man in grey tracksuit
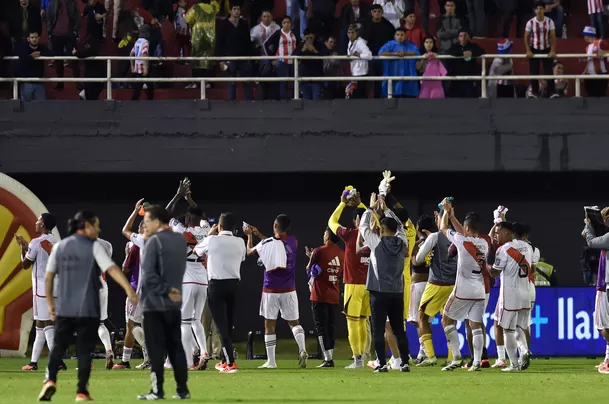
449 25
386 283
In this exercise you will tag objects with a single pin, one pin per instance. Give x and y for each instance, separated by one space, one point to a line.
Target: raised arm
127 228
601 243
371 239
181 192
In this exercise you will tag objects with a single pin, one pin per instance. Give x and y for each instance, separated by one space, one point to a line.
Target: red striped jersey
539 32
38 252
287 45
140 49
595 6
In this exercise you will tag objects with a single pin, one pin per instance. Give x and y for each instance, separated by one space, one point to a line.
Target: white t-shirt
38 252
471 261
140 49
225 253
272 254
514 259
195 267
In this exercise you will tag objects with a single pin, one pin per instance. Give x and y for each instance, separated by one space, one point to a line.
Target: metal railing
483 78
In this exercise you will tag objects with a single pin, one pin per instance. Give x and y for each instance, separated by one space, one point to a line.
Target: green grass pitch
546 381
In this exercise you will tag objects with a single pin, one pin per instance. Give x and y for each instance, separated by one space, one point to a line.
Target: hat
589 31
504 46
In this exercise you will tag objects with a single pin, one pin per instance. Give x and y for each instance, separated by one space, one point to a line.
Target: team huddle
395 272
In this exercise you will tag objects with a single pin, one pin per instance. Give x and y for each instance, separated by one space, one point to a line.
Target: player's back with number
514 259
471 262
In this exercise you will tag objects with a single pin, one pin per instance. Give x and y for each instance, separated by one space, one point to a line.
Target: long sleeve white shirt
359 67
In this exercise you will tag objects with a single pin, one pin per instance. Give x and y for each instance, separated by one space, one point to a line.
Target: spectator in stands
597 51
95 13
233 39
393 10
377 32
93 68
31 66
257 9
476 17
332 68
554 10
424 7
24 18
311 90
449 26
114 6
259 35
181 29
282 43
467 53
561 85
63 23
153 12
140 68
540 38
414 34
509 8
501 67
321 20
359 67
354 12
430 66
400 67
595 11
294 8
201 18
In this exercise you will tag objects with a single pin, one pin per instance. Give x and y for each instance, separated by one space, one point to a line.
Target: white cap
589 31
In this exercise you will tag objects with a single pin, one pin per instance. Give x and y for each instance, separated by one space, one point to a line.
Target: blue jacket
401 67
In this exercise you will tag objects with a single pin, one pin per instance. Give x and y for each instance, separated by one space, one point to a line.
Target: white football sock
607 353
49 334
187 341
197 328
421 353
270 342
127 354
522 341
104 336
138 334
478 343
38 344
299 336
501 352
453 340
511 346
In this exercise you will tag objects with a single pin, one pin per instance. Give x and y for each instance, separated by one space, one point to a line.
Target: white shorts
532 297
461 310
133 312
41 309
601 311
510 320
272 304
103 304
194 297
416 293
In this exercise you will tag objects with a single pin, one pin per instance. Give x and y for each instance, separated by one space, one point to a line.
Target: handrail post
578 88
203 90
108 82
483 80
16 89
296 81
389 88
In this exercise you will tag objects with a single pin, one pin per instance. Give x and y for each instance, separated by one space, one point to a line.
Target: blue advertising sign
562 325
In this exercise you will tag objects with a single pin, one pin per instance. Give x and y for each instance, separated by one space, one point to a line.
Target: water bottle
450 200
564 31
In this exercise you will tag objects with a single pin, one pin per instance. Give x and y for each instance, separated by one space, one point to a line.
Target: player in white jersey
521 232
467 300
194 286
512 261
35 256
133 312
102 331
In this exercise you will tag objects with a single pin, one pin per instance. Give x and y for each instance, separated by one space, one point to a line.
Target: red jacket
415 35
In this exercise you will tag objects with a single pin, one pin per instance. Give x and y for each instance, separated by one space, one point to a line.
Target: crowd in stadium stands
364 30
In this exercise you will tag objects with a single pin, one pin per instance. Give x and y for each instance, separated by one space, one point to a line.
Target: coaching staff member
386 280
78 261
225 253
163 267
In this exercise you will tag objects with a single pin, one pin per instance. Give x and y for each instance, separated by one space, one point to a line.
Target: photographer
311 67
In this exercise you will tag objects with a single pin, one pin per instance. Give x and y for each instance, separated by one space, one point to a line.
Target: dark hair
157 212
358 212
408 12
79 220
506 226
181 219
266 10
390 223
145 31
539 4
286 17
196 212
333 237
402 214
400 29
331 37
376 7
228 221
451 1
283 222
353 27
49 221
434 49
234 4
34 31
520 229
308 32
465 30
472 220
426 223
